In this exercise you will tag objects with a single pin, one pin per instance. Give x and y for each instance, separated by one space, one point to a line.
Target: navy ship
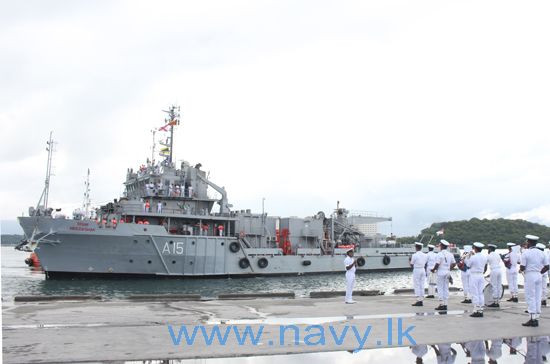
173 221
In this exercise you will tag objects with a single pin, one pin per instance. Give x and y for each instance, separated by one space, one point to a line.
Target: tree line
494 231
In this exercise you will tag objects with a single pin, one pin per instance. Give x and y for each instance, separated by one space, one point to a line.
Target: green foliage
497 231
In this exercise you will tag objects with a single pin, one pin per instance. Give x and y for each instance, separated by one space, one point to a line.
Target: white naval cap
540 246
418 244
479 245
431 246
491 246
510 244
444 242
532 237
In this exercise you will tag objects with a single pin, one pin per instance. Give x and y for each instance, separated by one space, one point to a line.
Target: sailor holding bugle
494 261
350 265
432 277
418 262
511 261
477 265
534 263
444 262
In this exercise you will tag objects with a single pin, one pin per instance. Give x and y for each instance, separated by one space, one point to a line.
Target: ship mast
86 203
172 120
46 192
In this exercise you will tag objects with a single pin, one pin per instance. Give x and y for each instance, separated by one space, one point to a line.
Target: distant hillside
497 231
11 239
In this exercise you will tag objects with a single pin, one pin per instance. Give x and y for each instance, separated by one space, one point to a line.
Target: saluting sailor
477 264
494 261
418 262
432 277
534 263
350 264
465 274
511 261
444 262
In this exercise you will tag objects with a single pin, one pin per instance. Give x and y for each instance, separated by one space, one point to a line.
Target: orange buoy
33 261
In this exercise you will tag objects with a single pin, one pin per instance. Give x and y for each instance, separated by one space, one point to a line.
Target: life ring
306 262
234 247
244 263
262 263
361 261
386 260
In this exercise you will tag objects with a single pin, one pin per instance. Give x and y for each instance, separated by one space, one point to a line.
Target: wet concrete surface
119 331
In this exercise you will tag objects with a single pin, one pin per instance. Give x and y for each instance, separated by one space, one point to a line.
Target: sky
424 111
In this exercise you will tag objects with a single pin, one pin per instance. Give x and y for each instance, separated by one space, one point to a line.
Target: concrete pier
92 331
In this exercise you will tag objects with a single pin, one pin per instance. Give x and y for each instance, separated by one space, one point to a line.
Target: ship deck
121 330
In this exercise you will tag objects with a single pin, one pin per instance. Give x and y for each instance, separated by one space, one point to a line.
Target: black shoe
441 308
526 311
477 314
430 296
543 303
531 323
511 299
515 300
494 305
466 301
418 303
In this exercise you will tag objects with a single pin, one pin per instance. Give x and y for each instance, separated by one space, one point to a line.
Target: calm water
18 279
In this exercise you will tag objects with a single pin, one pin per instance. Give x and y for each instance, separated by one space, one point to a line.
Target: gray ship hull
71 247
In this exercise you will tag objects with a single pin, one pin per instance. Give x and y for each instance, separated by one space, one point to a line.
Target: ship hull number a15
175 248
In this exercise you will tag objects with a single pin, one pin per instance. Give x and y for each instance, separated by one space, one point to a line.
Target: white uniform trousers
350 281
477 283
533 293
512 279
544 286
432 282
465 277
496 282
419 278
443 288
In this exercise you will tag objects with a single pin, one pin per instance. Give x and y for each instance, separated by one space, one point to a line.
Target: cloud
424 112
539 214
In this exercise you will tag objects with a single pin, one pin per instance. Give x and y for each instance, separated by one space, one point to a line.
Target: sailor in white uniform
419 351
350 264
511 261
444 353
534 263
477 351
432 277
545 280
477 265
418 262
444 262
465 274
494 261
495 350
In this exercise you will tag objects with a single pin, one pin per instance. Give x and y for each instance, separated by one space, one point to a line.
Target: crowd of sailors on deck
531 259
172 190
